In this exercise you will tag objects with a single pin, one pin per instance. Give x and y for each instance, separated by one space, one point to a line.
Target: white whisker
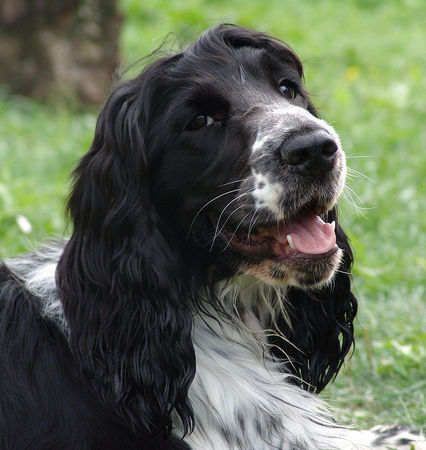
349 198
357 172
359 198
235 232
206 204
345 273
252 223
355 194
231 182
216 233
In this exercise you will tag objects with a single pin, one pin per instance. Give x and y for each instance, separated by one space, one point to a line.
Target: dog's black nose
309 154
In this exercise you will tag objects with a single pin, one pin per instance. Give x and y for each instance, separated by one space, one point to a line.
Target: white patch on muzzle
273 125
266 193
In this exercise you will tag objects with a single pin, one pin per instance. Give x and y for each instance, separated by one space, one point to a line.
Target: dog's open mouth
306 235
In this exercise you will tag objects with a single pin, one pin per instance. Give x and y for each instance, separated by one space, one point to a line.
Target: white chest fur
242 400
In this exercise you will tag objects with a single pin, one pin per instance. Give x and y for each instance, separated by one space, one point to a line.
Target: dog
203 298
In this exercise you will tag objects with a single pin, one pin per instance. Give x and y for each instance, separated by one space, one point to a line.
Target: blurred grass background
365 67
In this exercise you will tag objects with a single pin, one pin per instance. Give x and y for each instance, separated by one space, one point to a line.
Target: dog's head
243 166
211 163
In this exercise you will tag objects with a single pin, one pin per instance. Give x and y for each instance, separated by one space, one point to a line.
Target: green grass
365 65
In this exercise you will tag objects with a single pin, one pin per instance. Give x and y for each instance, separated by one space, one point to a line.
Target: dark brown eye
289 89
200 121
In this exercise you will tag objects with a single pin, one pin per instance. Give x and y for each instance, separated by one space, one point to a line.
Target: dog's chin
300 270
299 251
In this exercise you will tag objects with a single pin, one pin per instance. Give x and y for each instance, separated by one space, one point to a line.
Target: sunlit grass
365 66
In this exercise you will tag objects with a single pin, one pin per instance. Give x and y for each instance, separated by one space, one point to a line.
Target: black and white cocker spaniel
203 298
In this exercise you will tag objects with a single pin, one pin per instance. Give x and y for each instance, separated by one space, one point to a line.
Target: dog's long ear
122 277
321 324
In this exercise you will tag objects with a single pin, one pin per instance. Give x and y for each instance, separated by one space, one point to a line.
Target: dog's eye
200 121
289 89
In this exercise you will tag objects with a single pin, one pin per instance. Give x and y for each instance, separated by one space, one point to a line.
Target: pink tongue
310 235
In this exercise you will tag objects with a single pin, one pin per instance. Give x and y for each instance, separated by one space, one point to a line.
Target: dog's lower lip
303 256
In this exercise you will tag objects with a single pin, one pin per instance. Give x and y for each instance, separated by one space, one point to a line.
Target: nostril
329 148
297 156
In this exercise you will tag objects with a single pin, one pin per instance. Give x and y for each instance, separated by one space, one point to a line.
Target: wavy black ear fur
122 278
321 324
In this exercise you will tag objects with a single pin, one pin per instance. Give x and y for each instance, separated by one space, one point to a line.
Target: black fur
45 403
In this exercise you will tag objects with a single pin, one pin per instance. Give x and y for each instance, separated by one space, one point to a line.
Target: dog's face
245 168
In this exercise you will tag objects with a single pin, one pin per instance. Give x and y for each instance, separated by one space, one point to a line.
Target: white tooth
290 242
333 225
